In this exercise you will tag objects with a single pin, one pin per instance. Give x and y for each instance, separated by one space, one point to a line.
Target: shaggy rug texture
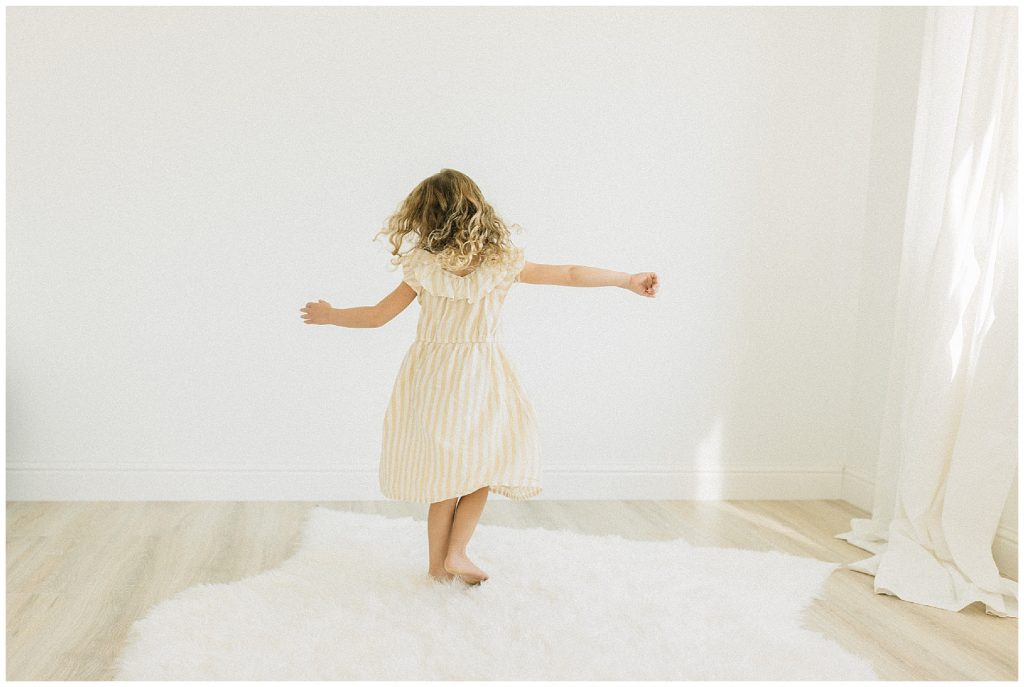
355 603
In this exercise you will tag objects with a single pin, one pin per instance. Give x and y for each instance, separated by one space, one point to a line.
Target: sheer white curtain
948 450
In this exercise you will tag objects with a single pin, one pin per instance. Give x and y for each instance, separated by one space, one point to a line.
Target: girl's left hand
317 313
644 284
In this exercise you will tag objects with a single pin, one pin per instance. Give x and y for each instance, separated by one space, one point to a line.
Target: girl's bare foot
459 564
441 575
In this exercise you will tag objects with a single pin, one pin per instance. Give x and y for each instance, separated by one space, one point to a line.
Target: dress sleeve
409 273
518 264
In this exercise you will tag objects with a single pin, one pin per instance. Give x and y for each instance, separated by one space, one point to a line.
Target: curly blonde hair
447 215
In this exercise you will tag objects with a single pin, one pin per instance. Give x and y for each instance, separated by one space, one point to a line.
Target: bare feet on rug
441 575
459 564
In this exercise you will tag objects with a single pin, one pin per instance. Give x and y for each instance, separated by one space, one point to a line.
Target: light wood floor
79 573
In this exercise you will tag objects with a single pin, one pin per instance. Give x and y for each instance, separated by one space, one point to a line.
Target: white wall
183 179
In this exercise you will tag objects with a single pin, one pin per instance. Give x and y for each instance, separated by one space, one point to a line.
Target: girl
459 424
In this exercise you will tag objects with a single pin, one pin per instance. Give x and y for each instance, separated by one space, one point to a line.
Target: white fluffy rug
355 603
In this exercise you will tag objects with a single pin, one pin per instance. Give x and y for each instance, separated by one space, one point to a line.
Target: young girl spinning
459 424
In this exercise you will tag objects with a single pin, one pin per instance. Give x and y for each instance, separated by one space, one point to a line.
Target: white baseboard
168 482
1004 551
858 489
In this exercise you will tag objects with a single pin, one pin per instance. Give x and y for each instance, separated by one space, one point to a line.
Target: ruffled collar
424 268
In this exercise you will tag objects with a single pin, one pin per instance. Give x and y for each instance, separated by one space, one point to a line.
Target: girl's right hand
644 284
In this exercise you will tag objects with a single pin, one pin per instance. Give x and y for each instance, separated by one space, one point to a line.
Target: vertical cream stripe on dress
414 440
443 417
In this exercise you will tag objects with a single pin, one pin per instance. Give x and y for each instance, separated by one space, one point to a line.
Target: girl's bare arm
378 315
642 283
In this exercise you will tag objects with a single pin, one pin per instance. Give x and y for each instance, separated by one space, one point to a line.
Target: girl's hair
447 215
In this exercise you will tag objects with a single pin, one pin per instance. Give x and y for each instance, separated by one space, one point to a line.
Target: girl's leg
467 513
439 525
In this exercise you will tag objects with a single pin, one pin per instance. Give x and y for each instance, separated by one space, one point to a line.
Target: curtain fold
948 448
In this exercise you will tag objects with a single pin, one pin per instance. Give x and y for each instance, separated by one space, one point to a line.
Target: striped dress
458 418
